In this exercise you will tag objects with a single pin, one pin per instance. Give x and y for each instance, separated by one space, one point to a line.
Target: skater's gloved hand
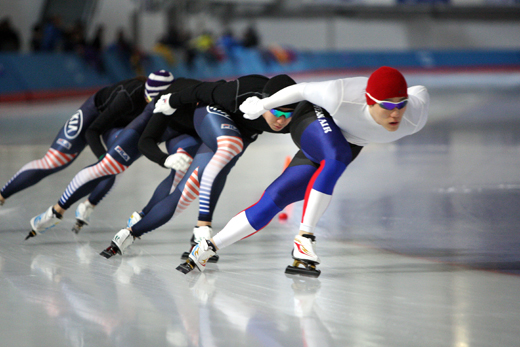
252 108
178 161
163 105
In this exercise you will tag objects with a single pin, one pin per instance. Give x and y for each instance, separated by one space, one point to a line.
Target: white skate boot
134 218
44 221
199 233
83 213
198 257
304 254
119 243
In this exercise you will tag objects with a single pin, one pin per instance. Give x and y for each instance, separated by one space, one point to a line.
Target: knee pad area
230 144
327 175
261 213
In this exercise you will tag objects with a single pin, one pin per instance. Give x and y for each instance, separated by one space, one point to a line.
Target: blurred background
420 242
52 48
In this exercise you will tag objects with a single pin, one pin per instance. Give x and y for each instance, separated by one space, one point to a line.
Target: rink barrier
35 76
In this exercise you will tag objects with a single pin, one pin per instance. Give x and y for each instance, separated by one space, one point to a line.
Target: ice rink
419 247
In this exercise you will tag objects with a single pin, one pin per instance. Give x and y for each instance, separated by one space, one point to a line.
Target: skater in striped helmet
102 118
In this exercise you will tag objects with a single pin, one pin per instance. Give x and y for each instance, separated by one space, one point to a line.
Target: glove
252 108
163 105
178 162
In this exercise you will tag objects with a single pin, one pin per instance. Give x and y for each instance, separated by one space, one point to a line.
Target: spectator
250 38
128 52
37 37
94 49
52 34
229 45
9 38
190 52
122 44
173 44
205 45
97 43
75 40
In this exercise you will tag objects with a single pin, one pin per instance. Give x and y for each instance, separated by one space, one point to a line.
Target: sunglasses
388 105
278 113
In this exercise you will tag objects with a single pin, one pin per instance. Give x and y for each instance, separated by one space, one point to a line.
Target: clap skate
198 257
83 213
303 254
199 233
44 221
119 243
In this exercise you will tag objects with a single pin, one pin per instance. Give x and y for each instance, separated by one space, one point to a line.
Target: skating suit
104 114
225 134
328 142
123 151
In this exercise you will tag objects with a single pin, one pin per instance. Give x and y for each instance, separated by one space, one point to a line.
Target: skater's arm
325 94
120 105
149 140
201 93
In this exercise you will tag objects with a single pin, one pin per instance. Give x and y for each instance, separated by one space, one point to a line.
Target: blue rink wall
46 75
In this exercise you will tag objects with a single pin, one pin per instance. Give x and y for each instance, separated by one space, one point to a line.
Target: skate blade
110 251
32 233
77 227
185 267
213 259
307 269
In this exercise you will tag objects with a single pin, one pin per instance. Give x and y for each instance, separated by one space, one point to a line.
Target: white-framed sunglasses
388 105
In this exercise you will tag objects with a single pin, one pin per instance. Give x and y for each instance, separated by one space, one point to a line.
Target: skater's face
277 123
388 119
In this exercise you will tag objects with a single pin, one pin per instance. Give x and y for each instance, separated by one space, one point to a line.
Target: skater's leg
67 145
118 158
36 170
161 213
286 189
225 142
177 201
289 187
221 149
320 139
87 179
220 134
164 210
179 143
81 185
122 144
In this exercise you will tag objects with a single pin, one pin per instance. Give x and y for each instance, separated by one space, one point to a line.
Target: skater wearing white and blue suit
378 109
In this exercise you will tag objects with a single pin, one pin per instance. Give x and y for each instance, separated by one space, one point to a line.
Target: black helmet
277 83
